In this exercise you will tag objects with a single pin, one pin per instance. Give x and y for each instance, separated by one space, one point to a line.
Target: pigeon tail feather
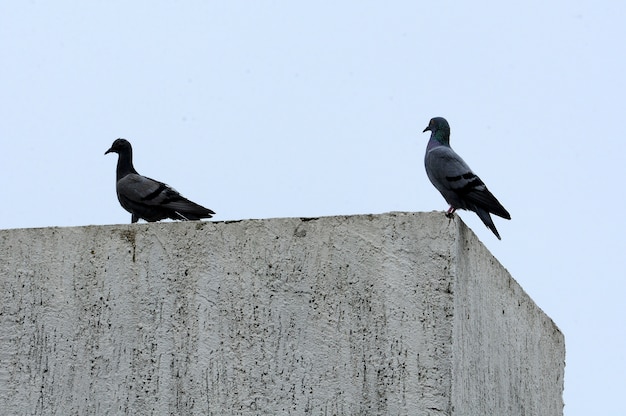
486 219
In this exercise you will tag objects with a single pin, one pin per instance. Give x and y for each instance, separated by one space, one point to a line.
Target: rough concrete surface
399 314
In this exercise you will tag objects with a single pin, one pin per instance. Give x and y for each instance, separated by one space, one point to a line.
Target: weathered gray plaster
401 314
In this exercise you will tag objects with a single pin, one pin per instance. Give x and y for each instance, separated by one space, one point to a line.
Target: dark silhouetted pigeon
146 198
460 187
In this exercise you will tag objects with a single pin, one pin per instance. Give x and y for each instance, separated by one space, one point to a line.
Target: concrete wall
400 314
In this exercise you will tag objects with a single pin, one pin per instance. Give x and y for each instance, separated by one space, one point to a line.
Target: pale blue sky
277 109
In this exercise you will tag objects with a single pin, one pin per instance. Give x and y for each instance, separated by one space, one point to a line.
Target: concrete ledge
400 313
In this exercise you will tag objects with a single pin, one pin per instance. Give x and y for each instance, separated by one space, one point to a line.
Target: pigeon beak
426 129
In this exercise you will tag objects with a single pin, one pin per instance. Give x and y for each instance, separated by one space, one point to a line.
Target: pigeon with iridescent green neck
460 187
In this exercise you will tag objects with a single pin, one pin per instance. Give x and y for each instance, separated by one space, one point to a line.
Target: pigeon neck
441 137
125 164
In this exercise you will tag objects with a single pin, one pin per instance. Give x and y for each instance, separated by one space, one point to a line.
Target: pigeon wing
153 200
461 187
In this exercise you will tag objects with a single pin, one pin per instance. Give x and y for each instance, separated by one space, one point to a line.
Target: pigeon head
440 130
125 160
119 146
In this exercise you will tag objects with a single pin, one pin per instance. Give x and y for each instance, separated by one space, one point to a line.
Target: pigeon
146 198
460 187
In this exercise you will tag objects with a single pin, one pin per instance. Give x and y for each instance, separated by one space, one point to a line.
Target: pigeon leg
450 212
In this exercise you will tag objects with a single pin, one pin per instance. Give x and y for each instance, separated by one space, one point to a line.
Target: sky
292 109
